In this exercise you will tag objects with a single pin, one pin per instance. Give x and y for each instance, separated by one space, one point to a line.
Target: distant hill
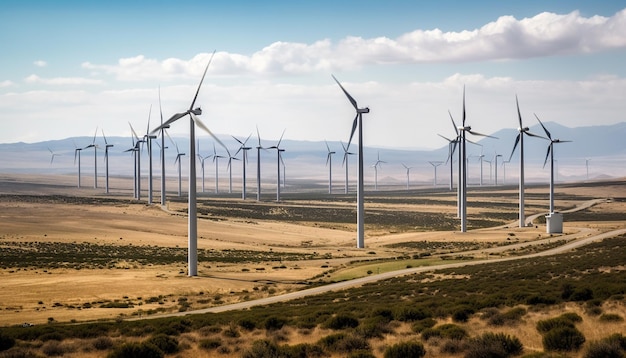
600 149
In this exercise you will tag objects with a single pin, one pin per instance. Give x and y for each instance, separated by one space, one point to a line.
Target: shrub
102 343
563 339
462 313
564 320
210 343
604 349
405 349
132 350
409 314
341 321
344 343
360 354
247 324
611 317
165 343
494 345
274 323
55 348
453 346
6 342
421 325
448 330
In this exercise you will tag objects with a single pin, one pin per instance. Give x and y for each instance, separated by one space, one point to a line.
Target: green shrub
341 321
133 350
274 323
462 313
102 343
604 349
247 324
6 342
409 314
421 325
563 339
165 343
210 343
405 349
56 349
564 320
344 343
494 345
611 317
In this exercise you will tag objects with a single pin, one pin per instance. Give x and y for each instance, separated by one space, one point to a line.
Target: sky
68 67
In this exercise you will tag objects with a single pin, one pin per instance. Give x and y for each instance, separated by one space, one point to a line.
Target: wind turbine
192 197
346 153
451 149
464 129
375 166
495 158
244 161
278 159
216 161
504 162
179 160
106 162
329 160
77 153
550 154
258 166
95 159
163 132
230 172
137 154
134 149
520 139
587 160
435 164
202 159
53 155
148 139
408 169
360 212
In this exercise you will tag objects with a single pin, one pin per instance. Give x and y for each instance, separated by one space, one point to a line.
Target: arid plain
74 255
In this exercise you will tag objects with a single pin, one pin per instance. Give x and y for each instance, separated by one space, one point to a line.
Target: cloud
40 63
507 38
6 83
62 81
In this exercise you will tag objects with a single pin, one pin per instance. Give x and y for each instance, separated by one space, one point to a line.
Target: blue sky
69 66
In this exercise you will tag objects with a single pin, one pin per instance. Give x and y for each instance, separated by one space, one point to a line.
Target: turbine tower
77 153
106 162
244 161
346 153
435 164
133 150
495 158
95 159
258 166
163 132
230 172
137 153
278 159
148 139
192 205
216 161
360 212
520 139
201 159
329 160
178 159
451 149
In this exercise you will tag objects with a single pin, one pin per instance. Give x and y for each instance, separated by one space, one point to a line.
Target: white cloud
62 81
6 83
40 63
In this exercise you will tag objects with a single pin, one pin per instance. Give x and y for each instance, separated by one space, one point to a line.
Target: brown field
250 250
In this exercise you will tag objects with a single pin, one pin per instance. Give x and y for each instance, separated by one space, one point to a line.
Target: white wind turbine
216 161
53 154
106 162
375 166
163 147
504 163
435 164
133 149
244 161
202 159
95 158
148 139
77 153
550 154
278 160
360 196
258 166
346 153
451 149
464 129
520 139
408 179
137 156
495 158
192 197
179 160
329 164
230 172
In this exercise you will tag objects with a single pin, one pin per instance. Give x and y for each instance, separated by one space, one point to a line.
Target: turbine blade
519 114
463 105
354 104
456 129
547 155
149 114
167 123
544 127
94 136
201 80
133 131
482 135
105 138
201 125
354 123
327 147
281 138
258 136
160 108
515 145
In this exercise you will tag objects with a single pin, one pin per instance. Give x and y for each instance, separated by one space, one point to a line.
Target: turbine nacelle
197 111
524 129
363 110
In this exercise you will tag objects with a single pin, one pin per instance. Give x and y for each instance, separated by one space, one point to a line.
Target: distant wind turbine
329 164
244 161
95 158
278 150
360 196
163 147
451 149
435 164
202 159
520 139
192 211
106 162
346 153
550 154
179 160
216 161
408 179
495 158
229 167
375 166
587 160
258 166
148 139
53 154
137 156
77 153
